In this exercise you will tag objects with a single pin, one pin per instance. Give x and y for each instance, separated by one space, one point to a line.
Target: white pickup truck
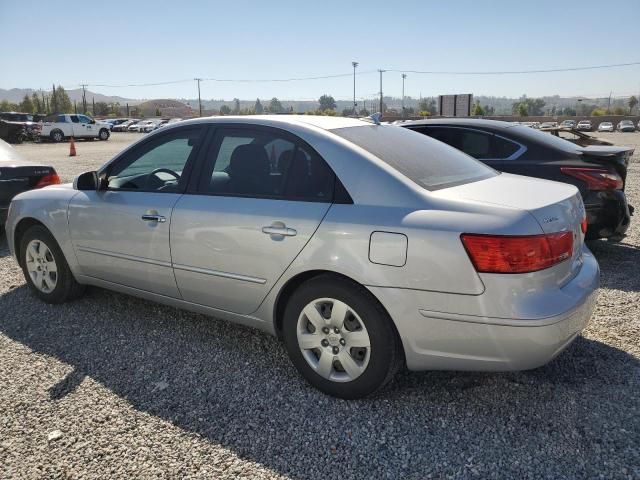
59 126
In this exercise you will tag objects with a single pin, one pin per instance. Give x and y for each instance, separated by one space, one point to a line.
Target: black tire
386 355
66 288
104 134
57 136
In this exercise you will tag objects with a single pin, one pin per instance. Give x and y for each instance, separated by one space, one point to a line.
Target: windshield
429 163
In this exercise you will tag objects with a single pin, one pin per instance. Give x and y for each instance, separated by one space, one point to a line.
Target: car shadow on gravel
619 264
236 388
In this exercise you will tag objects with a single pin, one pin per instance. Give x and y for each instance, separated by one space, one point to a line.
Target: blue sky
132 42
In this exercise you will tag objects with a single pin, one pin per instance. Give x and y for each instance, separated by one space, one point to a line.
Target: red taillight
52 179
596 178
517 254
583 225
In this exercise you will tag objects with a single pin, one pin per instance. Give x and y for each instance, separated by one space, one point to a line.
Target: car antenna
373 118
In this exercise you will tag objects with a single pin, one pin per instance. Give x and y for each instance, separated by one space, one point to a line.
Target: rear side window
425 161
503 148
263 164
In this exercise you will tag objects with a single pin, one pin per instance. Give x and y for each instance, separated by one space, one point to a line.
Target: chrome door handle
154 218
277 230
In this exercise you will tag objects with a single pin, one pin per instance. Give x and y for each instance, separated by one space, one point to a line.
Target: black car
31 127
18 175
599 172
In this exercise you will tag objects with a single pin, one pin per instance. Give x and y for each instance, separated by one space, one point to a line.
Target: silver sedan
364 247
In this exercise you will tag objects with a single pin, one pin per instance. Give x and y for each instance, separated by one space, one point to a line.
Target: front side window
262 163
75 118
84 119
157 165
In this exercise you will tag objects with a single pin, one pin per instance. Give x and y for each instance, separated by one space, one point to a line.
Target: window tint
156 165
503 148
472 142
84 119
61 119
261 163
429 163
75 118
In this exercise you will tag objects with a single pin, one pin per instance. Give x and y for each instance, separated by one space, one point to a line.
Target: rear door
121 234
260 196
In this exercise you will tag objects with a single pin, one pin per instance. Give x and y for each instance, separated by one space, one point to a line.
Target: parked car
575 136
140 126
544 125
152 125
124 126
599 172
584 125
605 127
568 124
364 247
57 127
170 122
626 126
19 175
12 132
26 120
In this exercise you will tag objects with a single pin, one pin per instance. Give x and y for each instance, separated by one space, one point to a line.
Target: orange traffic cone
72 148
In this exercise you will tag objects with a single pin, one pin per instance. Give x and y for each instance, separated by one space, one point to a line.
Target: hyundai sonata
364 247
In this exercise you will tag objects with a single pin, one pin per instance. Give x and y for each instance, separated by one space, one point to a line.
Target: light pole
355 65
381 72
199 101
404 76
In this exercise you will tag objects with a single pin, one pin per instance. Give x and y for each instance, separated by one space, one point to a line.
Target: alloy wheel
41 266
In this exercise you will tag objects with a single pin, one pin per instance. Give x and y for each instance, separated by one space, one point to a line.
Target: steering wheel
161 170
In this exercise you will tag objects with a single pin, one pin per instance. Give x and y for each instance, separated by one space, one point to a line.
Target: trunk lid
617 158
557 207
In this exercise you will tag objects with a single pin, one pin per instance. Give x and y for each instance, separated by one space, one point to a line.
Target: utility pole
609 104
404 76
199 101
381 72
84 98
93 102
355 65
127 110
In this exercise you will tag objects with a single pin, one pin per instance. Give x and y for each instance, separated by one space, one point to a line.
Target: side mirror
92 122
86 181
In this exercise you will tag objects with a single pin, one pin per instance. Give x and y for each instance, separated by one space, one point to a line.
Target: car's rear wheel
57 136
45 268
340 338
104 134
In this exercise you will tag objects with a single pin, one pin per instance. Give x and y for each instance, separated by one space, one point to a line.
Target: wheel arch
296 281
20 229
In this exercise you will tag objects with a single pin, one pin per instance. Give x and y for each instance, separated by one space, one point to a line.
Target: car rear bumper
435 340
608 214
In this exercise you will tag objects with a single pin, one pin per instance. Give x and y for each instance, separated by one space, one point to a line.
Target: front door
121 234
259 199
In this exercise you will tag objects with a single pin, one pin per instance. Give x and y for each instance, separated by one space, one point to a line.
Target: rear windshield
427 162
526 133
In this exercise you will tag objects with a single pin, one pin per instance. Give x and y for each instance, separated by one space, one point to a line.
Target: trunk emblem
549 219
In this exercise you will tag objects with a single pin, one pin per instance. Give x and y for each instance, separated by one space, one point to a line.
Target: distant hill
15 95
168 108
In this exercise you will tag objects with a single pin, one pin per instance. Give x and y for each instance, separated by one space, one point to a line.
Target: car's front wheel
340 338
45 268
104 134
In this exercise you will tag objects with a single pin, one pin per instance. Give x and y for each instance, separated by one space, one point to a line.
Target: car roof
466 122
319 121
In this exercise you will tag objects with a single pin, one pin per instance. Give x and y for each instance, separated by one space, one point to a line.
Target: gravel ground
113 386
